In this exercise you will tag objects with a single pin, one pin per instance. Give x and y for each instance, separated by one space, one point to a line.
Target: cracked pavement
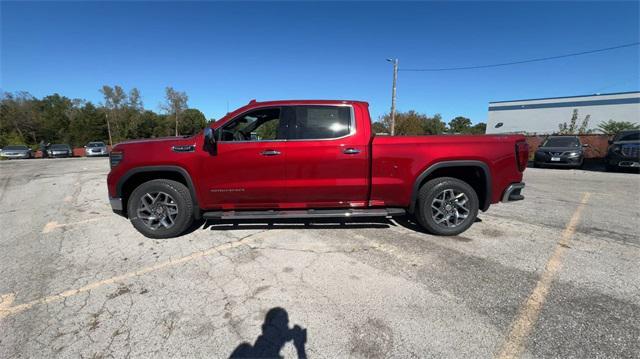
78 281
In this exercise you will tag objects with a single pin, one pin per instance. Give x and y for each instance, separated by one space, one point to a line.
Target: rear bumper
96 154
20 155
513 192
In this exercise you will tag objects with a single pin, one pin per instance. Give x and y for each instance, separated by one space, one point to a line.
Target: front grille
630 150
556 154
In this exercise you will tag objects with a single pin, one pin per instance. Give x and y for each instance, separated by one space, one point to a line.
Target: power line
523 61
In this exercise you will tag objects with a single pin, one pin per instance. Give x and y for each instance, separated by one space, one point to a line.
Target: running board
307 213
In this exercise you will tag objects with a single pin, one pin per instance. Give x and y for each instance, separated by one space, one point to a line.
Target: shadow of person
275 334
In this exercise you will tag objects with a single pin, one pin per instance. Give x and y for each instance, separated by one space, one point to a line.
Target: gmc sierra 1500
311 159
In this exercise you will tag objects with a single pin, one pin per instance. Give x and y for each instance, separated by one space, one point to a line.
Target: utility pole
393 95
109 129
176 123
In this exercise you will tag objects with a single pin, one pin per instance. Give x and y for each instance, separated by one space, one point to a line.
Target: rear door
326 162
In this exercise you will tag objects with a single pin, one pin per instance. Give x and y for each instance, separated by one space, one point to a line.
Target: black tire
609 167
171 191
435 187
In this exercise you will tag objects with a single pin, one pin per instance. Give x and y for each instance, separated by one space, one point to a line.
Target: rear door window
321 122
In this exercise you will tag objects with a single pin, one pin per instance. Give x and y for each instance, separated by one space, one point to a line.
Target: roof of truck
254 104
304 102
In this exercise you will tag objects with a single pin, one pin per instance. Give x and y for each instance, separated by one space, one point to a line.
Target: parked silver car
16 151
60 150
96 149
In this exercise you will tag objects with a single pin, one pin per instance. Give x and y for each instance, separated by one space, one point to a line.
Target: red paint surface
317 173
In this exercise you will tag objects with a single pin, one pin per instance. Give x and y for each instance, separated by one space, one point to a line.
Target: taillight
522 155
115 157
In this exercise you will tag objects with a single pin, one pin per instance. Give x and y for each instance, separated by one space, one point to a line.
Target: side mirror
209 140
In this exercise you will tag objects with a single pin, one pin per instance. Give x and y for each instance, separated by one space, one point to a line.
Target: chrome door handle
351 151
270 153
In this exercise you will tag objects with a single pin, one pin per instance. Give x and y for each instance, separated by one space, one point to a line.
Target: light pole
393 95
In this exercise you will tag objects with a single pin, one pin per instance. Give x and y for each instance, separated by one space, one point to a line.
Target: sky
224 54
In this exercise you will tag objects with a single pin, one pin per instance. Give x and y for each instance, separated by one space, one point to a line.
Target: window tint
15 148
561 142
318 122
634 136
258 125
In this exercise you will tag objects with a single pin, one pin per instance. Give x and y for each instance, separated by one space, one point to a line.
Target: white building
543 115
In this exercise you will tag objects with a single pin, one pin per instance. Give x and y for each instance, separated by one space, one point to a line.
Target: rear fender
484 170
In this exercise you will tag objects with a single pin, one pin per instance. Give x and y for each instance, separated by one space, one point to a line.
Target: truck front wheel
161 208
447 206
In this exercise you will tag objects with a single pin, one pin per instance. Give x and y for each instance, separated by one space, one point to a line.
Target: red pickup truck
311 159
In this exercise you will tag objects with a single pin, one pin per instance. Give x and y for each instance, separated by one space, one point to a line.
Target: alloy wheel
450 208
157 209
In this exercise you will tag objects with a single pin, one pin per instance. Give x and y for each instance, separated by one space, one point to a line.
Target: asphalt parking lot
556 275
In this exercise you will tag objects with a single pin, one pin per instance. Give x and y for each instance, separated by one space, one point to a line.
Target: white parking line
6 308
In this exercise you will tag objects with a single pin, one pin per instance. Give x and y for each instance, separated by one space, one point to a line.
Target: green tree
88 125
460 125
114 100
434 125
612 127
379 127
479 128
192 121
175 104
412 123
19 118
572 127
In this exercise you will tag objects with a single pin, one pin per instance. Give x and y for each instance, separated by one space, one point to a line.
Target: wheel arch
475 173
136 176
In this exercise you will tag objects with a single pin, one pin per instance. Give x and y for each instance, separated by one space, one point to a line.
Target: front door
248 169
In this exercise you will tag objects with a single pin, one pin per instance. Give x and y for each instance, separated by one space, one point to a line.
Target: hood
559 149
159 141
153 140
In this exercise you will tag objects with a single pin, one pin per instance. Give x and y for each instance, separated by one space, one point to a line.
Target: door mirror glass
209 140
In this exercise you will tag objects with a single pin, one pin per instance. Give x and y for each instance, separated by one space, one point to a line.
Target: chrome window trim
352 126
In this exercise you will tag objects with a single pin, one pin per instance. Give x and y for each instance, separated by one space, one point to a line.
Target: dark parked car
560 151
60 150
624 150
96 149
16 151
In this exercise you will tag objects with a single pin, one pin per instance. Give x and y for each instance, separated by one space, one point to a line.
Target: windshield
59 147
15 148
95 144
629 136
561 142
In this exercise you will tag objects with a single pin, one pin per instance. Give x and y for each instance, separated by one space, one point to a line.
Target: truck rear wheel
446 206
161 208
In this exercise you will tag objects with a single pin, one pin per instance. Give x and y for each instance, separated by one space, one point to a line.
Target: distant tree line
25 119
412 123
